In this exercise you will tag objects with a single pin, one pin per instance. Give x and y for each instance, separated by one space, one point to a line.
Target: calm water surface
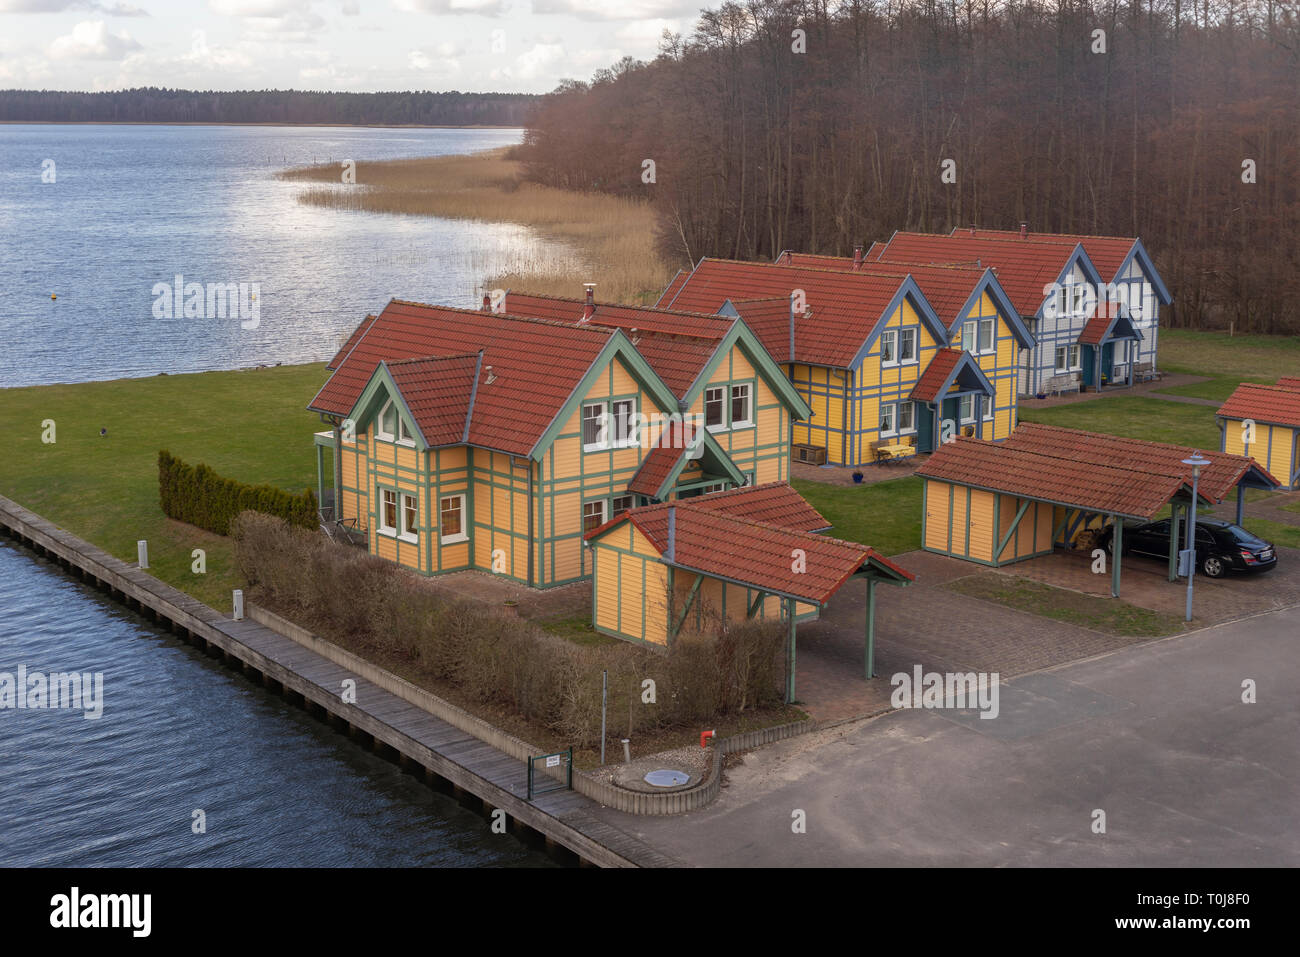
131 207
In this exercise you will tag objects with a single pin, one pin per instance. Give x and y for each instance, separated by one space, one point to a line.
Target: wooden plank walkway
495 777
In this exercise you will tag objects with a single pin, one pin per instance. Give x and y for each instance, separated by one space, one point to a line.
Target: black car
1220 546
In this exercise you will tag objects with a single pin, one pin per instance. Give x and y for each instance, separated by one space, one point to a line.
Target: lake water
134 206
130 207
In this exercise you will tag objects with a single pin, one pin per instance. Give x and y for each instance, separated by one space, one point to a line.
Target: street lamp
1197 462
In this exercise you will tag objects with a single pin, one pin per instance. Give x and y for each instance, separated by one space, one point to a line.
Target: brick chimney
589 308
857 257
1024 230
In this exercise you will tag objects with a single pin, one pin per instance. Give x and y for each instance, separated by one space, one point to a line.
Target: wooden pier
391 725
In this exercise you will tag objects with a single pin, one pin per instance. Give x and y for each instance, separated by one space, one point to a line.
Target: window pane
905 411
965 408
986 335
388 419
390 509
410 518
449 509
592 416
907 345
887 346
713 406
968 336
621 504
623 421
593 515
739 403
887 418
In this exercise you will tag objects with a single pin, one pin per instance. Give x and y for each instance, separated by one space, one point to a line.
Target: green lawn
886 515
1259 358
1108 615
1279 533
1218 388
250 425
1138 417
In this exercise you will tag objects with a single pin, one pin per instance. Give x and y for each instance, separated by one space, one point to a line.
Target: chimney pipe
857 257
671 553
589 308
1024 230
792 324
487 303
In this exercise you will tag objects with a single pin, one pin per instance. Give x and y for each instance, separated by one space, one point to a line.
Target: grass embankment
614 237
1108 615
249 425
1228 360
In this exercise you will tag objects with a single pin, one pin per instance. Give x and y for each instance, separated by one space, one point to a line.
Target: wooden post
1173 542
1241 504
871 628
1118 538
789 678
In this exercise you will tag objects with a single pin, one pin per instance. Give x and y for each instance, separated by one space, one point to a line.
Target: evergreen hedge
199 496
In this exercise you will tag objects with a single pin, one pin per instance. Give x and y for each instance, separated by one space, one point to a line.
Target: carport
996 503
1225 472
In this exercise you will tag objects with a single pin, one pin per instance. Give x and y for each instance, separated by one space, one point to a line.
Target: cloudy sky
480 45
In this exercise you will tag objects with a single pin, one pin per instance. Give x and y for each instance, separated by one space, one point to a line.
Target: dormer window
391 427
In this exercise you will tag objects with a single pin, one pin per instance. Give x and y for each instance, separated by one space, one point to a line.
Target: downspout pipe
671 553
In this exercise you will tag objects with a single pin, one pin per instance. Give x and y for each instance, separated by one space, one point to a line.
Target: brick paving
871 474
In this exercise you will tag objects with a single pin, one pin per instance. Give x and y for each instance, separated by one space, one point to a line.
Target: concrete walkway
1156 736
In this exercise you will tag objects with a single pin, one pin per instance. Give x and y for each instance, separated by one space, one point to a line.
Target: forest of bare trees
1144 129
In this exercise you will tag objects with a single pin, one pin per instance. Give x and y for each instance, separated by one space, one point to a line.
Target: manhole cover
667 779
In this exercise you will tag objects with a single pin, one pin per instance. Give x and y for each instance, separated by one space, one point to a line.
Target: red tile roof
711 536
928 387
1077 484
351 341
1023 269
677 282
845 306
1289 382
1099 323
1218 479
1106 252
676 344
674 443
774 503
536 365
438 393
1272 404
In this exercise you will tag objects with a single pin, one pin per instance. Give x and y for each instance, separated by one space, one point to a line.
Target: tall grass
614 237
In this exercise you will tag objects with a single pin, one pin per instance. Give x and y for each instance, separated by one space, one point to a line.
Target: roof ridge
623 305
412 359
987 443
513 317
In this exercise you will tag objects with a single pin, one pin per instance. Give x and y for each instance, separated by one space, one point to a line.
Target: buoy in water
52 296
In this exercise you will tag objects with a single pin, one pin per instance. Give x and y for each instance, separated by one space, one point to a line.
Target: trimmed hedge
198 495
367 604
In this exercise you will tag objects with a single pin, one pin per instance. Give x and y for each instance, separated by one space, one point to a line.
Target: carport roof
1068 481
1218 479
1271 404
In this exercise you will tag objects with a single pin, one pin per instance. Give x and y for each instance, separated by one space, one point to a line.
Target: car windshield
1244 537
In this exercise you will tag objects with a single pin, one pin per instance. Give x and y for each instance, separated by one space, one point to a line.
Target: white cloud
487 8
646 33
92 40
620 9
351 8
61 6
538 61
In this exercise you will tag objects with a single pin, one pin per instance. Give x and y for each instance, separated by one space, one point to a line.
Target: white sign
553 761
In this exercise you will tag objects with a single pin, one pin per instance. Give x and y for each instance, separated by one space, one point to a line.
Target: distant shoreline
359 126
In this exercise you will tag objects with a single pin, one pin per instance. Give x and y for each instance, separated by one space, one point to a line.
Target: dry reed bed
613 237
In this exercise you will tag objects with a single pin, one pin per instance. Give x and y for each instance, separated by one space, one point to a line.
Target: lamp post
1197 462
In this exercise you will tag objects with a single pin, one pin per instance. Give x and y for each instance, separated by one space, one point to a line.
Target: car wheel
1213 566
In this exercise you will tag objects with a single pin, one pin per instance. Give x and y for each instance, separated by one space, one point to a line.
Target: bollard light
142 553
1197 462
239 605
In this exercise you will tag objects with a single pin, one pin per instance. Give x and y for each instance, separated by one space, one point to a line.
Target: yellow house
859 341
1263 421
474 439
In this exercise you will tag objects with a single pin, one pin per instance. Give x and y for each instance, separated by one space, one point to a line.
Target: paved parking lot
1155 735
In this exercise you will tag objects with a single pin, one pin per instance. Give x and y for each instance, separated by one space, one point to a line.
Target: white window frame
966 417
890 337
986 405
602 426
713 487
908 334
892 408
463 534
899 427
1059 354
405 531
597 503
380 432
1076 357
992 347
622 441
614 500
404 435
384 527
748 420
721 424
